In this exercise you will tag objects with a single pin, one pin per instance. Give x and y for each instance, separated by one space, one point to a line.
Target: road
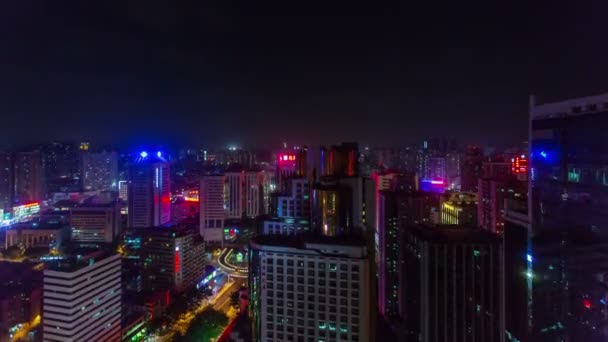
224 262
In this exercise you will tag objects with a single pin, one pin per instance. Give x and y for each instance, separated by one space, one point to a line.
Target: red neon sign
283 158
176 260
519 164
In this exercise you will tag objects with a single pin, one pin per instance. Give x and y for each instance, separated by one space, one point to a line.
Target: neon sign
26 210
519 164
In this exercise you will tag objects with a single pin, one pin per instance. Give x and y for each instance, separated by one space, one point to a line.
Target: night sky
259 74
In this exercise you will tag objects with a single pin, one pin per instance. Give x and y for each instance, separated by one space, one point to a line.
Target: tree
207 325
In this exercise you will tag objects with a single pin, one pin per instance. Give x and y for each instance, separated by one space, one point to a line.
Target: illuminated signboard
519 164
26 210
287 159
433 185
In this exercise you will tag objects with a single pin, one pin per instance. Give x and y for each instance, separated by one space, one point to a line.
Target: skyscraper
95 222
6 180
100 170
569 217
82 299
28 177
471 168
61 163
149 191
211 199
340 160
451 284
310 289
234 196
254 193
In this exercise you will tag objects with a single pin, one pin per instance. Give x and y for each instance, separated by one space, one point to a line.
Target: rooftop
300 241
75 262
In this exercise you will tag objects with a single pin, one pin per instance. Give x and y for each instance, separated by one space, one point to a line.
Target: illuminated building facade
451 285
340 160
331 210
20 297
396 208
296 202
82 299
459 208
211 200
492 194
286 226
309 290
149 191
6 180
61 162
100 171
95 222
569 218
28 177
170 258
123 190
43 233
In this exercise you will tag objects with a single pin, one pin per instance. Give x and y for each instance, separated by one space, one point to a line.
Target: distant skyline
255 75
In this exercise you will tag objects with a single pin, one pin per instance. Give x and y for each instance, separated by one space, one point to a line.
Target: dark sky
132 72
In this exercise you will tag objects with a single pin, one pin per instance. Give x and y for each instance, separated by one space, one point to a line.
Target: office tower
295 203
470 170
149 191
396 208
340 160
61 163
28 177
95 222
492 194
170 258
100 171
518 270
286 168
211 199
254 193
309 289
569 215
436 168
123 190
20 298
234 196
286 226
82 299
452 167
302 162
235 156
6 180
459 208
451 285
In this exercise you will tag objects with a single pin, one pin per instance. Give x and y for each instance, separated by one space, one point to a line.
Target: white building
234 194
211 199
309 290
95 223
149 191
82 299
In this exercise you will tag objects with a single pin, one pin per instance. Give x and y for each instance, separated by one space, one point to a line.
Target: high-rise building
496 169
452 167
569 219
436 168
254 193
234 194
492 194
123 190
451 284
211 199
471 168
28 177
459 208
61 162
82 299
295 203
20 298
170 258
396 208
311 289
340 160
100 171
149 191
95 222
6 180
